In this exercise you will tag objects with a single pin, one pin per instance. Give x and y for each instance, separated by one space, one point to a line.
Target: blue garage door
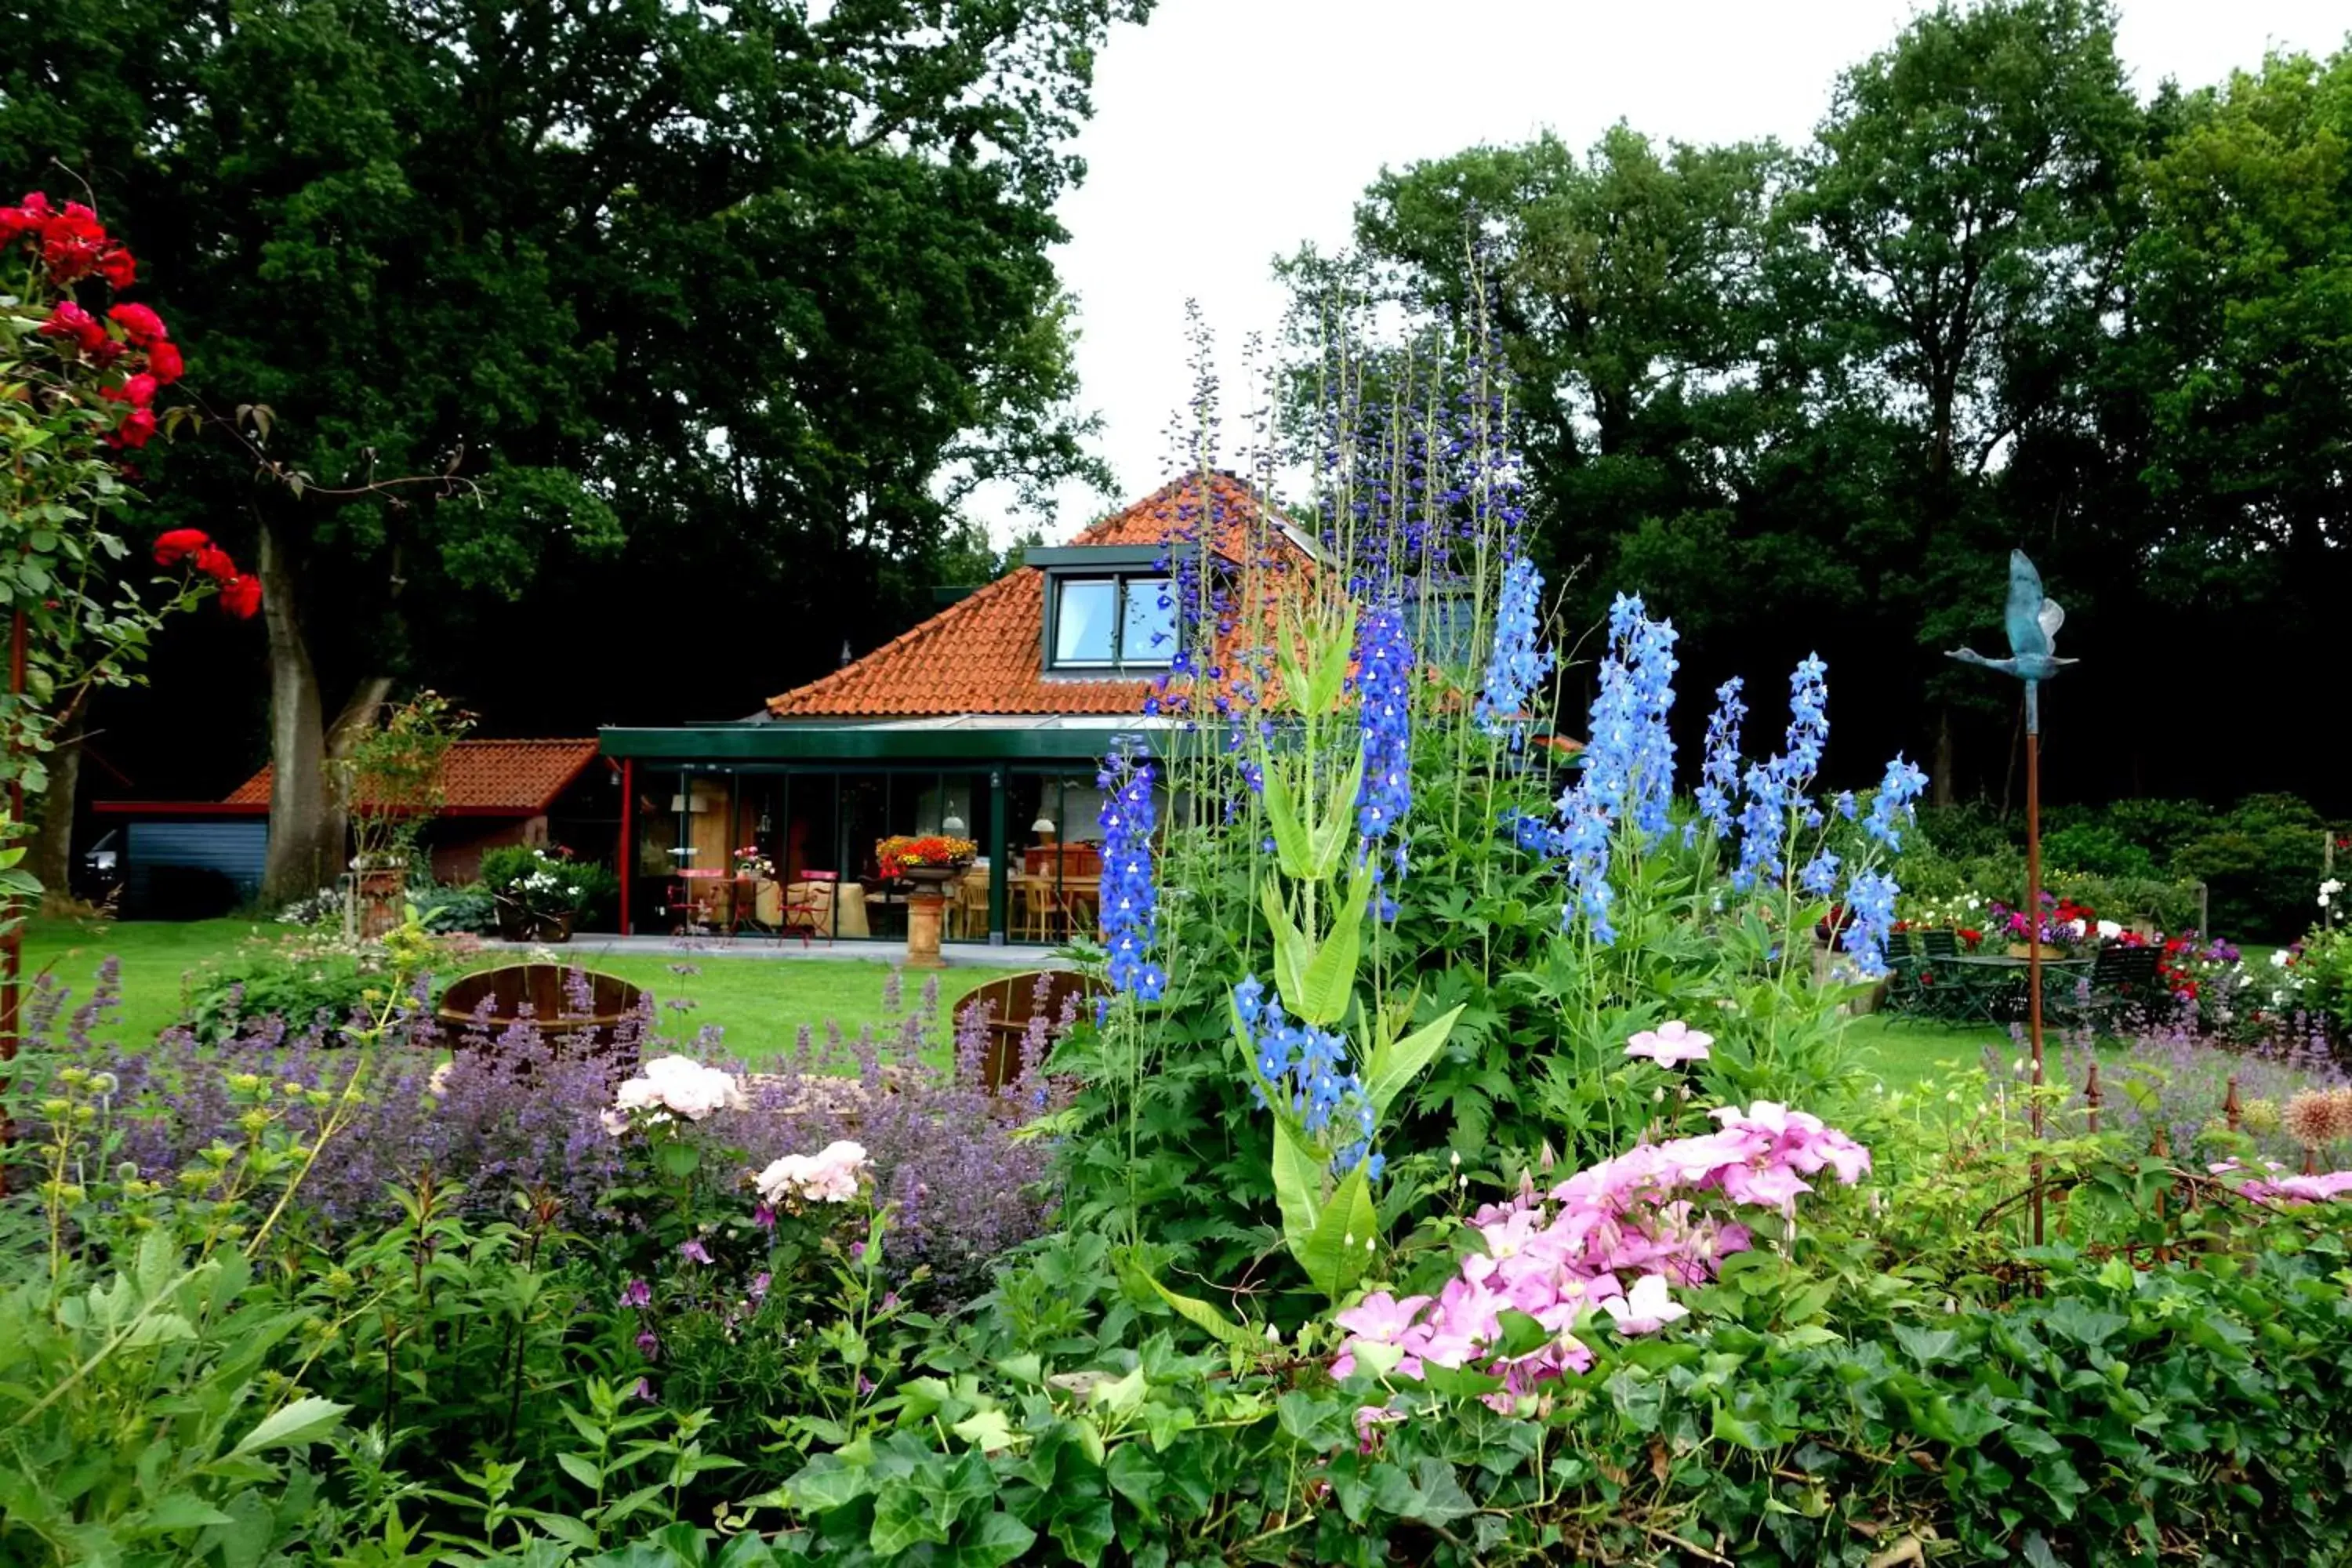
192 870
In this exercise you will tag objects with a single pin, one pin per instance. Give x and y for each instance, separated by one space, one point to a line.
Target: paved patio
588 946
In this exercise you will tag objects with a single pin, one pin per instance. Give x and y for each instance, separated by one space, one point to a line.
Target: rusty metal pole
11 946
2232 1111
2092 1097
2162 1149
2033 931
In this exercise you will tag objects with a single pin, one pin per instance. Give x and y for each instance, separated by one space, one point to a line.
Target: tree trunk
52 851
309 824
1941 771
305 849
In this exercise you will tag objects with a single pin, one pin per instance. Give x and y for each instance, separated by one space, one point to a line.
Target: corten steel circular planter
568 1028
1012 1003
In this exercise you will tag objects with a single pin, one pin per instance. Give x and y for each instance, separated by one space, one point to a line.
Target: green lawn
1905 1052
760 1002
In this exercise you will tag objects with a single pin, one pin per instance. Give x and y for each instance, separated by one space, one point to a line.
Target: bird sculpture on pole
2033 620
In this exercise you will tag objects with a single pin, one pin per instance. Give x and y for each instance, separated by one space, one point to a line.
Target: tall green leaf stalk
1309 790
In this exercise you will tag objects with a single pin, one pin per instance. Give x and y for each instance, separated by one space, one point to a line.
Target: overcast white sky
1227 132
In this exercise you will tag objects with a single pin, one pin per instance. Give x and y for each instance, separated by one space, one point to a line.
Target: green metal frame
785 741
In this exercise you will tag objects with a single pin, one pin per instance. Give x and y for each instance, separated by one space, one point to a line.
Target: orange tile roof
483 778
983 654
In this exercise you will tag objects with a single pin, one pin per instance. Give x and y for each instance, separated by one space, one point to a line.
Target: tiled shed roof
483 778
984 653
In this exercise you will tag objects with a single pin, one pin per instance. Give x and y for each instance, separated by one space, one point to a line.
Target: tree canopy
715 311
1811 397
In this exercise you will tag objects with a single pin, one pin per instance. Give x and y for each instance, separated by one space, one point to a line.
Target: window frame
1126 568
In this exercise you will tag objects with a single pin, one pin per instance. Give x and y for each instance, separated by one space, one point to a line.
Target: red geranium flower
179 544
145 327
117 266
14 221
164 361
214 563
71 320
241 596
137 390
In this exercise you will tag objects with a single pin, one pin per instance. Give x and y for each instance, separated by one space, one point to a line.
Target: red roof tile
984 653
484 778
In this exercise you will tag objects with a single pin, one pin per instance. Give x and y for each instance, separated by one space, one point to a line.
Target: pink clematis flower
1646 1308
1670 1044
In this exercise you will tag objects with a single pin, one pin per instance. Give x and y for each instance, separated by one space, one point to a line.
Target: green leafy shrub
2097 849
453 908
2262 862
300 979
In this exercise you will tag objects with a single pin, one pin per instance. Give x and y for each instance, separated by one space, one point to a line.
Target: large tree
747 292
1616 285
1962 198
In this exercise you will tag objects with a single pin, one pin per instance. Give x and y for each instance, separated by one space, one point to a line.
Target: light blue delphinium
1518 662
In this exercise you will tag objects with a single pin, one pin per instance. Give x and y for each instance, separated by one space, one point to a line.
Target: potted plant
931 858
390 781
537 893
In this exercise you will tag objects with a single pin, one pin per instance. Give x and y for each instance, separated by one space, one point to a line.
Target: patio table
1991 979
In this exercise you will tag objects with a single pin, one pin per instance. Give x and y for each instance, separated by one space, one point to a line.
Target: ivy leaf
1001 1539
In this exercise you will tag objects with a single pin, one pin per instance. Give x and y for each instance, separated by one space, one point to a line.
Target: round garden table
1992 978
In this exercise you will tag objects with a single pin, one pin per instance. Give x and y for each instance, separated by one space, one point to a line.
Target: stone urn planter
927 904
381 894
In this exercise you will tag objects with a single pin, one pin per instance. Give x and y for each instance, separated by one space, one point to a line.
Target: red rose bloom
137 390
136 428
71 320
117 266
145 327
241 597
180 544
214 563
163 362
71 243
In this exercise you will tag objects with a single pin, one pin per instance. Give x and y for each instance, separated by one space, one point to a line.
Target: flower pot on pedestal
383 898
926 907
